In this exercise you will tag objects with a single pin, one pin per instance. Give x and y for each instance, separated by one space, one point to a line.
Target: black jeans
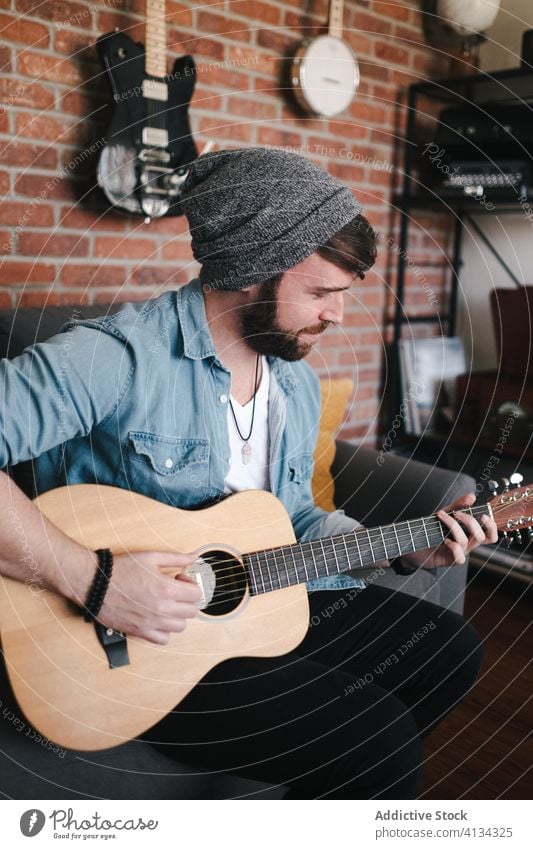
341 717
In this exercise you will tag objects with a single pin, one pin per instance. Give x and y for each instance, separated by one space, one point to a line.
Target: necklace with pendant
246 450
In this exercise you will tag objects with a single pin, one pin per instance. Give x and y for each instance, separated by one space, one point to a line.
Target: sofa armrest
377 488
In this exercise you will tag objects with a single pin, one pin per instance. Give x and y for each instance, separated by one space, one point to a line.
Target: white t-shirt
255 473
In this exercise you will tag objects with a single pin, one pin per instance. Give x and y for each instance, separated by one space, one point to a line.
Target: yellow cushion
335 394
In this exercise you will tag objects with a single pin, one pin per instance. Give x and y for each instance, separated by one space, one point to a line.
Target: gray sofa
371 491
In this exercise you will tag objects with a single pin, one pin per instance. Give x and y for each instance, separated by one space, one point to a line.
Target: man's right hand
143 601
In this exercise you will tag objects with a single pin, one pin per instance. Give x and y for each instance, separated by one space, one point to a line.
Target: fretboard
156 39
336 13
276 568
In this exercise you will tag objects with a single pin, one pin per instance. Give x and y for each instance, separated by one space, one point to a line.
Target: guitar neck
277 568
156 39
336 14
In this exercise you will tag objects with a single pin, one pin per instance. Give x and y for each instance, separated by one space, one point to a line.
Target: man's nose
333 310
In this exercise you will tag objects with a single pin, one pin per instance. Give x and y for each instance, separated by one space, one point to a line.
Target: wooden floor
484 749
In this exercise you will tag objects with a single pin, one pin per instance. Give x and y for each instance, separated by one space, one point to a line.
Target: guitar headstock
512 509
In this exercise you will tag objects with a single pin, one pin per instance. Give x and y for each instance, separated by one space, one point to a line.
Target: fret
326 567
348 558
378 541
370 544
426 532
282 552
273 552
397 541
384 545
261 570
337 564
411 535
251 572
361 562
314 563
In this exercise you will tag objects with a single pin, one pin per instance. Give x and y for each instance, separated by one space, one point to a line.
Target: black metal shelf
478 90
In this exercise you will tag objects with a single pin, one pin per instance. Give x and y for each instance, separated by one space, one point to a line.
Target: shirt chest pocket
177 465
300 468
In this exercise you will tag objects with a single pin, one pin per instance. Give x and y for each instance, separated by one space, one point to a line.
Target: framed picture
429 368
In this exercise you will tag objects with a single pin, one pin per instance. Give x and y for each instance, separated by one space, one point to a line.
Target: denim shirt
138 400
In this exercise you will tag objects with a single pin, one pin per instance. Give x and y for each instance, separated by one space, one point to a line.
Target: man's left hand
466 533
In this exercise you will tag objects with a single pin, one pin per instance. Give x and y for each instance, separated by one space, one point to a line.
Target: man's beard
260 328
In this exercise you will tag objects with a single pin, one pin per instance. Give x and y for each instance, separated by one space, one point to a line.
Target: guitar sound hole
231 584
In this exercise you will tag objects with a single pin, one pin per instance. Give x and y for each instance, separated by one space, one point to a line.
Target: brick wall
61 244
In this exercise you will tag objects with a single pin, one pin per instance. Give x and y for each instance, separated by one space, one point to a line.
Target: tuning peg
517 478
506 484
518 537
493 486
530 532
507 541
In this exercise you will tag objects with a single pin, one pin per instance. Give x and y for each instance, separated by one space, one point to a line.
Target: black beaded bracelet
400 568
96 596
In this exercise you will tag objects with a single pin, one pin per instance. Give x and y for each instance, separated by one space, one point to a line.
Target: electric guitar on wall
87 687
143 166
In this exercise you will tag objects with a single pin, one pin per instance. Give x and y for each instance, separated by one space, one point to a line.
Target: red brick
312 24
44 244
221 129
175 225
275 40
21 31
348 130
18 214
252 108
126 248
252 60
19 93
79 45
390 9
59 70
204 99
278 138
221 25
5 60
367 22
359 43
90 275
178 249
51 299
14 273
77 218
391 53
180 42
4 182
216 74
34 185
155 275
62 12
45 127
6 302
256 11
7 241
16 153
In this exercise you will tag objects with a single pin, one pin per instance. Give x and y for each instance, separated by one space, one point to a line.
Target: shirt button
223 399
169 463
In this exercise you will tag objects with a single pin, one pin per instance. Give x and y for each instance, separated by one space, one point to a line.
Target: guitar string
397 533
431 524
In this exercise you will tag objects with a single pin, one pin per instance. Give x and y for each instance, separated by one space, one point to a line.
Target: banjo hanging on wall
324 71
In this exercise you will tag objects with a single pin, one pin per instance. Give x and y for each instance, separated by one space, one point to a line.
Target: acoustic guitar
143 165
87 687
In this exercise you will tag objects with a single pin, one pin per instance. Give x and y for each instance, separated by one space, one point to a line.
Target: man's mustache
316 328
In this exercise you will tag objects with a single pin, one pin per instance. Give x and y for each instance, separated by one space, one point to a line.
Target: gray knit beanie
257 212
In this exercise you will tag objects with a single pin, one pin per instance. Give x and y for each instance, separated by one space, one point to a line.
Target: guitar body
57 667
136 175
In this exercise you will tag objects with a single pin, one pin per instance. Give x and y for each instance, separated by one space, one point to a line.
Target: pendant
246 453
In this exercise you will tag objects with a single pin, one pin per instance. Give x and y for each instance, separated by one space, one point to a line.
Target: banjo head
326 75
